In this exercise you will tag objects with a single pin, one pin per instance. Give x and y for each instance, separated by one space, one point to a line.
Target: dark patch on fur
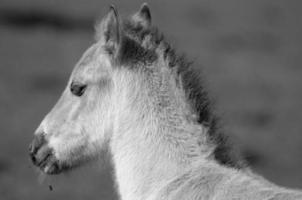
132 52
138 32
224 152
200 101
133 30
191 82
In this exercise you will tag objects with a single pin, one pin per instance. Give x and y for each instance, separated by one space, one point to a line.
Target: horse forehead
93 66
87 62
89 56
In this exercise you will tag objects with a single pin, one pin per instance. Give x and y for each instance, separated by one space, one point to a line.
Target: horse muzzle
43 156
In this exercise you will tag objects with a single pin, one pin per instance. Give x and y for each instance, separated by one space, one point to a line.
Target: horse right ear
143 16
108 31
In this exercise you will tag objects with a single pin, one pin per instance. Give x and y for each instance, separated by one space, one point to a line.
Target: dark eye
77 89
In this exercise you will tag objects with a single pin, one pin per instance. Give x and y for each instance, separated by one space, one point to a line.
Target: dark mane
140 44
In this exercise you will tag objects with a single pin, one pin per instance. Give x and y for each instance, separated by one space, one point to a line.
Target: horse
133 94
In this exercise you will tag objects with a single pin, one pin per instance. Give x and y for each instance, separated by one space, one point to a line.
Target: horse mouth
49 164
51 168
44 158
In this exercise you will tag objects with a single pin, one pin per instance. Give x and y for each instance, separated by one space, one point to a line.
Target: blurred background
250 52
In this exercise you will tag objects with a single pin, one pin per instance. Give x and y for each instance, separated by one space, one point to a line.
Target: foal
132 93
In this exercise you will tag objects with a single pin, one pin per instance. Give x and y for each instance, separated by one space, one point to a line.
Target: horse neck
156 137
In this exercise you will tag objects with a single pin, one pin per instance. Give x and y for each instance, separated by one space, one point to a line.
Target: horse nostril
37 142
32 157
39 151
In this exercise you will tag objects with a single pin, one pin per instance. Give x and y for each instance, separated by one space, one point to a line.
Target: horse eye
77 89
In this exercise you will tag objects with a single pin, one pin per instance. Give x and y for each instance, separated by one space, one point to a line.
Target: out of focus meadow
250 53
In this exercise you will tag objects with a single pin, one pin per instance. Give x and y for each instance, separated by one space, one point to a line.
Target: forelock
149 37
132 49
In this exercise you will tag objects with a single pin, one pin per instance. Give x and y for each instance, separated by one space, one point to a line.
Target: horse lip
46 161
55 167
52 168
49 164
43 161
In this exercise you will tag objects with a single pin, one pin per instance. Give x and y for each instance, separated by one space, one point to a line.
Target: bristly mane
139 45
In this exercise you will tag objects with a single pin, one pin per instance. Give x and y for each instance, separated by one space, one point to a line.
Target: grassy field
248 50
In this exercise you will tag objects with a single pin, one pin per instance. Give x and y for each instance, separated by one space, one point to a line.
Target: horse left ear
108 31
143 16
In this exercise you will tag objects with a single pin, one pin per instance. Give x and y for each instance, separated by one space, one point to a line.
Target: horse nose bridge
49 124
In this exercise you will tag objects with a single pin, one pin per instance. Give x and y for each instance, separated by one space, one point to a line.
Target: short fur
145 41
149 107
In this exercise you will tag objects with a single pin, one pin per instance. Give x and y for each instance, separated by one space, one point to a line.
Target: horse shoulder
218 182
249 186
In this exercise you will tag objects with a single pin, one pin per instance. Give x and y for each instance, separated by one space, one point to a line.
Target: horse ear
143 16
108 31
